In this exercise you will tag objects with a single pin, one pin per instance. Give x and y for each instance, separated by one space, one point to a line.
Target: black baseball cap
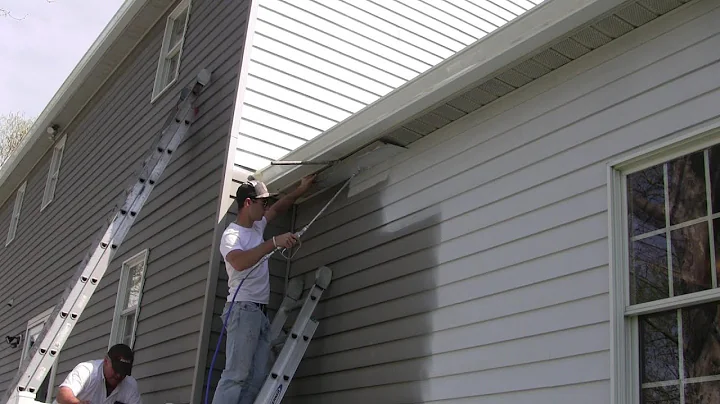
252 189
121 357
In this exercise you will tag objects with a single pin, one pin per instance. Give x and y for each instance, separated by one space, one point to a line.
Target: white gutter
37 142
520 38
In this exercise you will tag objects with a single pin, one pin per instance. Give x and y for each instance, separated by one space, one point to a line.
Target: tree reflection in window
679 187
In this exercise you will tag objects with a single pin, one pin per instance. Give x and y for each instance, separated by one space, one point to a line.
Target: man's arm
244 259
135 395
65 396
73 384
287 201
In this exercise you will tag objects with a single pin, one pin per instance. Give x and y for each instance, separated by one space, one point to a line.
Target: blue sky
39 51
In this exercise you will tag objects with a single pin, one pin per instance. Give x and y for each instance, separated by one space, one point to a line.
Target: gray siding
478 272
104 149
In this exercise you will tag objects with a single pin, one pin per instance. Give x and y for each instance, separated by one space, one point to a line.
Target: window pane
127 323
171 67
649 278
646 200
686 188
715 177
133 286
702 393
177 30
659 347
661 395
127 340
690 248
701 333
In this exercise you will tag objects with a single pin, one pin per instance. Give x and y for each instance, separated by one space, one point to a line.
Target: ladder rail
298 340
93 267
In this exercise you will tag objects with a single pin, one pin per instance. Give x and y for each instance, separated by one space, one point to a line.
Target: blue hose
217 347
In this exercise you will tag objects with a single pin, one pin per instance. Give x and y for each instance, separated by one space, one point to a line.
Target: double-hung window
665 227
127 305
171 48
15 218
53 172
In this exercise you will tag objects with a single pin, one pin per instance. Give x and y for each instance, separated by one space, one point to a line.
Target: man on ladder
247 352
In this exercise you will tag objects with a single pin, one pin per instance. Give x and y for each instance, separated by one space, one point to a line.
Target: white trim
675 302
619 344
15 218
503 47
711 232
53 172
159 86
625 377
119 312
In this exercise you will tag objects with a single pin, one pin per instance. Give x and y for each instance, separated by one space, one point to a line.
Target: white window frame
166 53
116 332
625 345
53 172
15 218
37 323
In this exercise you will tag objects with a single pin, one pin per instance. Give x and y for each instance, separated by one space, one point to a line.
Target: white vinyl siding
53 172
127 306
172 47
15 218
315 63
489 237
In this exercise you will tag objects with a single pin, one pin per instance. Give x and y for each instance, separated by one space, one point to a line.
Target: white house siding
316 62
478 272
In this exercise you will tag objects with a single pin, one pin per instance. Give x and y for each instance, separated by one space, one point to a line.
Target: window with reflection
672 236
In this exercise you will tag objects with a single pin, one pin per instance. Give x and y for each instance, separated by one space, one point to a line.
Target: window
32 332
665 213
19 196
171 50
53 172
127 305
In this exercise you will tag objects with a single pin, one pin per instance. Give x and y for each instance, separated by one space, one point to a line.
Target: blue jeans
247 354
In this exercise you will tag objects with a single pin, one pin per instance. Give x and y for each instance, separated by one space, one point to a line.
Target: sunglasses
264 201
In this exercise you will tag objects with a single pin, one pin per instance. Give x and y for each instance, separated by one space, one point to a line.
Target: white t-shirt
256 288
87 382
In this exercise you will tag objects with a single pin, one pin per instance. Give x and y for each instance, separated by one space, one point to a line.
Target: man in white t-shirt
247 351
102 381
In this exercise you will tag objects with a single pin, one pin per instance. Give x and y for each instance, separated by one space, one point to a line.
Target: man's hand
306 182
286 240
66 396
283 204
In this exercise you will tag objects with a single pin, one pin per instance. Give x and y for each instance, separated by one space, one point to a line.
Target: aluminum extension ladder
83 284
296 343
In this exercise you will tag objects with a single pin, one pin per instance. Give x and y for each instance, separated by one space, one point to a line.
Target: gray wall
479 271
103 151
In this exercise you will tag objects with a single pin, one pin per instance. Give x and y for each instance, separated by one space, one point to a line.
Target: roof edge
507 45
36 141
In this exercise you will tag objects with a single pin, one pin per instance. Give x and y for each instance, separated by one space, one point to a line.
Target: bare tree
14 127
7 13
